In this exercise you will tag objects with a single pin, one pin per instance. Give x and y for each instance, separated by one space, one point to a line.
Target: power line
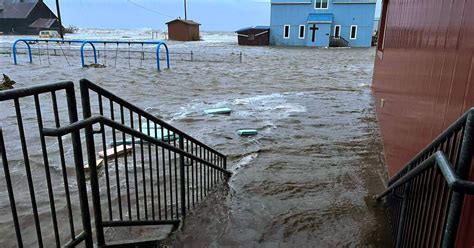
145 8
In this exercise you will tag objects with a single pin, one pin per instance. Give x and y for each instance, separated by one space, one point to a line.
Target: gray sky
214 15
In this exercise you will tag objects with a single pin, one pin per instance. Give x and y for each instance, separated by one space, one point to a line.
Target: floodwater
306 180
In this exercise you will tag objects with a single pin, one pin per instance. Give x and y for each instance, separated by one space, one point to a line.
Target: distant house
26 17
254 36
321 23
183 30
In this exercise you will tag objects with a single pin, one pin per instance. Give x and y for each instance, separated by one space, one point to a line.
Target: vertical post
79 164
462 170
86 110
240 57
181 177
192 56
185 10
61 31
11 196
401 222
225 163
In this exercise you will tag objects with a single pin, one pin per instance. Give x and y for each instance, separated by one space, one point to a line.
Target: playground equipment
93 44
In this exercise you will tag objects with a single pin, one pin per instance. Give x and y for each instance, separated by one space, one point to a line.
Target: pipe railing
160 176
426 197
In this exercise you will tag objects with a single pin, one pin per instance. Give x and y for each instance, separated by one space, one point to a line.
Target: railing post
401 222
225 163
192 56
240 57
79 164
182 179
462 170
86 110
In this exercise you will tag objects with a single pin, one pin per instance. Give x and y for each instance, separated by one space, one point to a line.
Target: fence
128 56
83 43
426 197
151 172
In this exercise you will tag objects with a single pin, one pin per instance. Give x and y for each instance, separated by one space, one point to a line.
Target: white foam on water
245 161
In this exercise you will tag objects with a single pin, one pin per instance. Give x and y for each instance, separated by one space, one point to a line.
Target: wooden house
183 30
26 18
254 36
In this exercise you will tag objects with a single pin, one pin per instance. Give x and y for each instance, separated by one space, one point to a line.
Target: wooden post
61 31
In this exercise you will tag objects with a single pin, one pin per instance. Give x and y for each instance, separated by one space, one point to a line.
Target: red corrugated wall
424 71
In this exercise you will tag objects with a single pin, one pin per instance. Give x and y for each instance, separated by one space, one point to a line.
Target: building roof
189 22
262 28
320 18
42 23
17 10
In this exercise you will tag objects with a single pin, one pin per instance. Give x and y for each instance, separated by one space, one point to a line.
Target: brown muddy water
306 180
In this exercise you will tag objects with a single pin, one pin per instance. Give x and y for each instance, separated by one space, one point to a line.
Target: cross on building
314 29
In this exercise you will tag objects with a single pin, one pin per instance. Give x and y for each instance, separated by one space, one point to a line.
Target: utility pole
185 10
61 31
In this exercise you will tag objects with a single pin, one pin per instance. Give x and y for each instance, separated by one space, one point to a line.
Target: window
286 31
353 32
302 31
337 31
251 36
321 4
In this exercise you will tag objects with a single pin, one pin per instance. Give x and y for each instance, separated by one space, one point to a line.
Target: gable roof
259 28
17 10
189 22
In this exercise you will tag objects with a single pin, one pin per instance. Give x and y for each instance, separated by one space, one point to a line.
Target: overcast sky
214 15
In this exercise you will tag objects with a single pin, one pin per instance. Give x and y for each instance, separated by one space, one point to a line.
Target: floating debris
247 132
95 66
218 111
99 163
112 153
157 133
7 83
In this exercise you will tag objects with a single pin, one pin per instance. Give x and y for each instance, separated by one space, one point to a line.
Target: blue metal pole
30 56
158 55
82 53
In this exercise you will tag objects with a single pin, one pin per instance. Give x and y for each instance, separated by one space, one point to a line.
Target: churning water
306 180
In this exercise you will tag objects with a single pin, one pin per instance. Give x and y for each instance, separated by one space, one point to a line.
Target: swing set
92 43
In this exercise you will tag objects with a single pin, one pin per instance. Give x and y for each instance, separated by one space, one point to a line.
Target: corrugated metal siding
425 73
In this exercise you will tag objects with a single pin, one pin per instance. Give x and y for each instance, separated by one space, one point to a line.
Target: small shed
254 36
183 30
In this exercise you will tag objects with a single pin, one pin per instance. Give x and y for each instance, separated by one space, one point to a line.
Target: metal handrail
94 87
339 39
58 132
452 152
452 128
193 170
446 168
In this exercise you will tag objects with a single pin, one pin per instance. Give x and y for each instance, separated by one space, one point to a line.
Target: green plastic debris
218 111
157 133
247 132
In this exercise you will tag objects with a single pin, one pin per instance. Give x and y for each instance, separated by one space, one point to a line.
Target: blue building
319 23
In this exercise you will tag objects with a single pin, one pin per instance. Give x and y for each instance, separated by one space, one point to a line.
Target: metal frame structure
83 43
167 174
425 199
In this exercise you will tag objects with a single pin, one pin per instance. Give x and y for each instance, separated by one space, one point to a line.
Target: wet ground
306 180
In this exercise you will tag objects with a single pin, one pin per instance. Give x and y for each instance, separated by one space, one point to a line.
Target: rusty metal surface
424 80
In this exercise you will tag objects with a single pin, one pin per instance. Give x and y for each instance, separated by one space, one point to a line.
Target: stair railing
426 197
161 172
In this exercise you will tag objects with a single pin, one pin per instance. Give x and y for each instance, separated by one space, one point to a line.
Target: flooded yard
306 180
